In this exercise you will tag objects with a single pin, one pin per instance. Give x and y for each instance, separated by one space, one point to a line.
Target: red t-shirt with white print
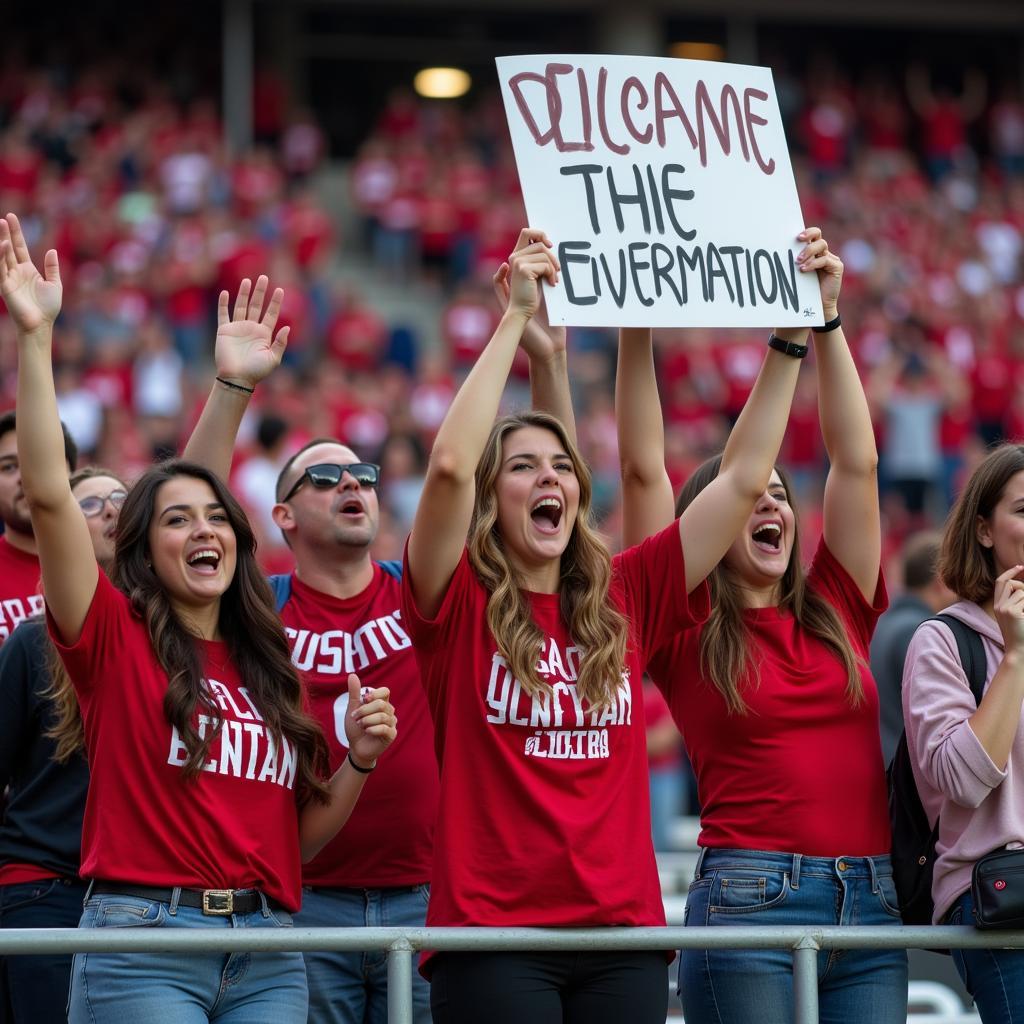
388 839
802 771
20 598
544 817
233 827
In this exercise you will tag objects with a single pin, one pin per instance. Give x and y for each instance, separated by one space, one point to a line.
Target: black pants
549 988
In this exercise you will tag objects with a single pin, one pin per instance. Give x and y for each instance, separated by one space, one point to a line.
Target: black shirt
42 820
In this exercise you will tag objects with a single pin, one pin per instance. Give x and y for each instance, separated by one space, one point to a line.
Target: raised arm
546 348
446 504
647 501
714 519
852 521
66 556
245 352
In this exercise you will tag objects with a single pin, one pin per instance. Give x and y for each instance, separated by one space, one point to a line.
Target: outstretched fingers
51 266
256 301
242 299
273 309
18 239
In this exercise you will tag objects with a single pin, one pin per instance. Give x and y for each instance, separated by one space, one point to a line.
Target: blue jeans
994 977
187 988
36 987
352 988
748 887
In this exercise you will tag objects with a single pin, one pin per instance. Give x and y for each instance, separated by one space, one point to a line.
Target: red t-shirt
234 827
544 817
801 771
388 840
19 588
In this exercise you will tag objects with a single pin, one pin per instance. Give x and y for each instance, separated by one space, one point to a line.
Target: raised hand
530 263
370 724
540 340
829 267
32 299
247 349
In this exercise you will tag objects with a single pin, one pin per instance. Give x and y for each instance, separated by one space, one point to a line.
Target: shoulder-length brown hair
965 565
595 625
249 624
725 655
66 731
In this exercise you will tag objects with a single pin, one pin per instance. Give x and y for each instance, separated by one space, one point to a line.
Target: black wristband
831 325
230 384
787 348
362 771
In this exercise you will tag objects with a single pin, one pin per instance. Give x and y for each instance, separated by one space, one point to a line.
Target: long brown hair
725 656
67 731
965 565
248 623
595 625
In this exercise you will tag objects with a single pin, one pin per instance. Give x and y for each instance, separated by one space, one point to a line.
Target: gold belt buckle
220 902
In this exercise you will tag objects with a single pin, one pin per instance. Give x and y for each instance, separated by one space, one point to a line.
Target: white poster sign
667 188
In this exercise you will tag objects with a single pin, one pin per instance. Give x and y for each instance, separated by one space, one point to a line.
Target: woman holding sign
205 782
776 704
532 642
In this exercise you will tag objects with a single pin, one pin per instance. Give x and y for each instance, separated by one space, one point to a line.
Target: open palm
32 299
247 349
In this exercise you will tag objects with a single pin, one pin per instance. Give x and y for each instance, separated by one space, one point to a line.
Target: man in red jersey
19 564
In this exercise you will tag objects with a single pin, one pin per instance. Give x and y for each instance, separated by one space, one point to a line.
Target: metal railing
401 944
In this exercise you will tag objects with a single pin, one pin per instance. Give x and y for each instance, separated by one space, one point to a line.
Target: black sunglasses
329 474
93 505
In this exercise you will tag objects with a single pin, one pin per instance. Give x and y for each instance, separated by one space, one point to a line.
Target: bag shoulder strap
971 651
393 569
281 588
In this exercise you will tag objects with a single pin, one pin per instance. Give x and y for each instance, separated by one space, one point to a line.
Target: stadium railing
401 944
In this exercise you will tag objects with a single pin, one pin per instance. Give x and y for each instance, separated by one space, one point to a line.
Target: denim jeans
748 887
994 977
187 988
352 988
36 987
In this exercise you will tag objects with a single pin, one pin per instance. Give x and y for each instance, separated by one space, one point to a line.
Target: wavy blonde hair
599 629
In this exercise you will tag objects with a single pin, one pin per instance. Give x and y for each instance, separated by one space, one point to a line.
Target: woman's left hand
829 267
370 723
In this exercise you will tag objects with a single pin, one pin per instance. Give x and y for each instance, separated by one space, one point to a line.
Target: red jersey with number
801 771
20 596
388 840
544 817
233 827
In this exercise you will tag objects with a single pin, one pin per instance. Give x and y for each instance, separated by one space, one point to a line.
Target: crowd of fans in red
921 189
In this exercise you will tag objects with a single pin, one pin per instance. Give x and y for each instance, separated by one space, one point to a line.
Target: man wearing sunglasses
341 614
19 563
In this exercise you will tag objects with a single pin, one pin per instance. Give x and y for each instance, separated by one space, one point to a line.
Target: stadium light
698 51
442 83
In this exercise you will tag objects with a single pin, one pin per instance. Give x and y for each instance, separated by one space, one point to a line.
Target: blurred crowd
918 183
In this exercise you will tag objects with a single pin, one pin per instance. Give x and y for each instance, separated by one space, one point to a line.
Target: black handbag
997 886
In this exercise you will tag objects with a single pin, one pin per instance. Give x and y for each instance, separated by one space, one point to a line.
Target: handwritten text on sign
667 188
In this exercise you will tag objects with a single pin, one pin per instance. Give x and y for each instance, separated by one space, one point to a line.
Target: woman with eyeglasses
44 771
207 776
532 641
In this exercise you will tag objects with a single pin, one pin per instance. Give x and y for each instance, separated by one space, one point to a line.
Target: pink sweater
981 808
